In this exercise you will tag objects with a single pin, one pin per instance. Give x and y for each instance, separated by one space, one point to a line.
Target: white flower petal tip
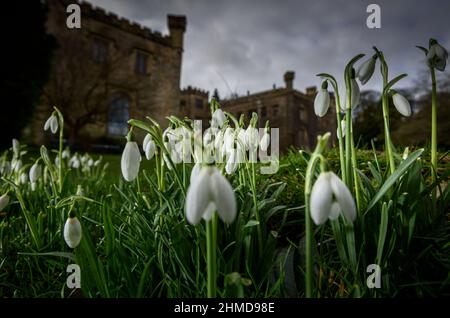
321 102
4 201
72 232
209 191
355 94
131 158
402 104
330 197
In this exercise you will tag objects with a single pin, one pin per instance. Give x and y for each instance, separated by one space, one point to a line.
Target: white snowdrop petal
147 138
231 165
402 104
218 118
34 173
195 172
343 197
198 197
321 199
130 161
223 196
355 94
150 149
54 124
365 71
265 141
72 232
47 123
321 102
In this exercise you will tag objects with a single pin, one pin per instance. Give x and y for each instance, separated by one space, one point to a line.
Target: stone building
108 71
194 104
287 109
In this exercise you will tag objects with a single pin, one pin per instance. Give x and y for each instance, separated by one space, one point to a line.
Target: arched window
119 113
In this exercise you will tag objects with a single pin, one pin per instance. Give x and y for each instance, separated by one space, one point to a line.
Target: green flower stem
255 203
348 144
355 167
61 136
211 259
433 136
310 170
385 105
340 139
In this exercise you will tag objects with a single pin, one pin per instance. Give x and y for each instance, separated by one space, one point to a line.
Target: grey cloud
249 44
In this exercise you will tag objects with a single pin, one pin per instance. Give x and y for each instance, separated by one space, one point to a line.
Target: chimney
289 79
177 27
311 91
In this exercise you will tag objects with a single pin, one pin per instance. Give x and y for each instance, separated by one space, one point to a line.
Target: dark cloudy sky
240 45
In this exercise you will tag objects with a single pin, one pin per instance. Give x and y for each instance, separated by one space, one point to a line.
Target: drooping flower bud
52 123
218 118
131 159
72 232
437 56
366 69
322 100
402 104
35 172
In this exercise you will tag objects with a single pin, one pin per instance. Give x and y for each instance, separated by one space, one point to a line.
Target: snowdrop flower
35 172
322 100
23 178
16 147
90 162
52 123
210 191
72 232
366 69
195 172
66 153
343 126
232 164
74 162
355 93
218 118
437 56
97 162
4 201
330 197
150 149
402 104
131 159
265 140
251 137
16 164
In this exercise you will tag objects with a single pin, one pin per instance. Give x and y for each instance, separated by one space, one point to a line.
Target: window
275 110
99 50
264 111
119 113
198 103
141 63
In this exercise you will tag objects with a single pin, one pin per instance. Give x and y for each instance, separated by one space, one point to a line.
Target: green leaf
383 230
392 82
394 177
69 256
251 223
